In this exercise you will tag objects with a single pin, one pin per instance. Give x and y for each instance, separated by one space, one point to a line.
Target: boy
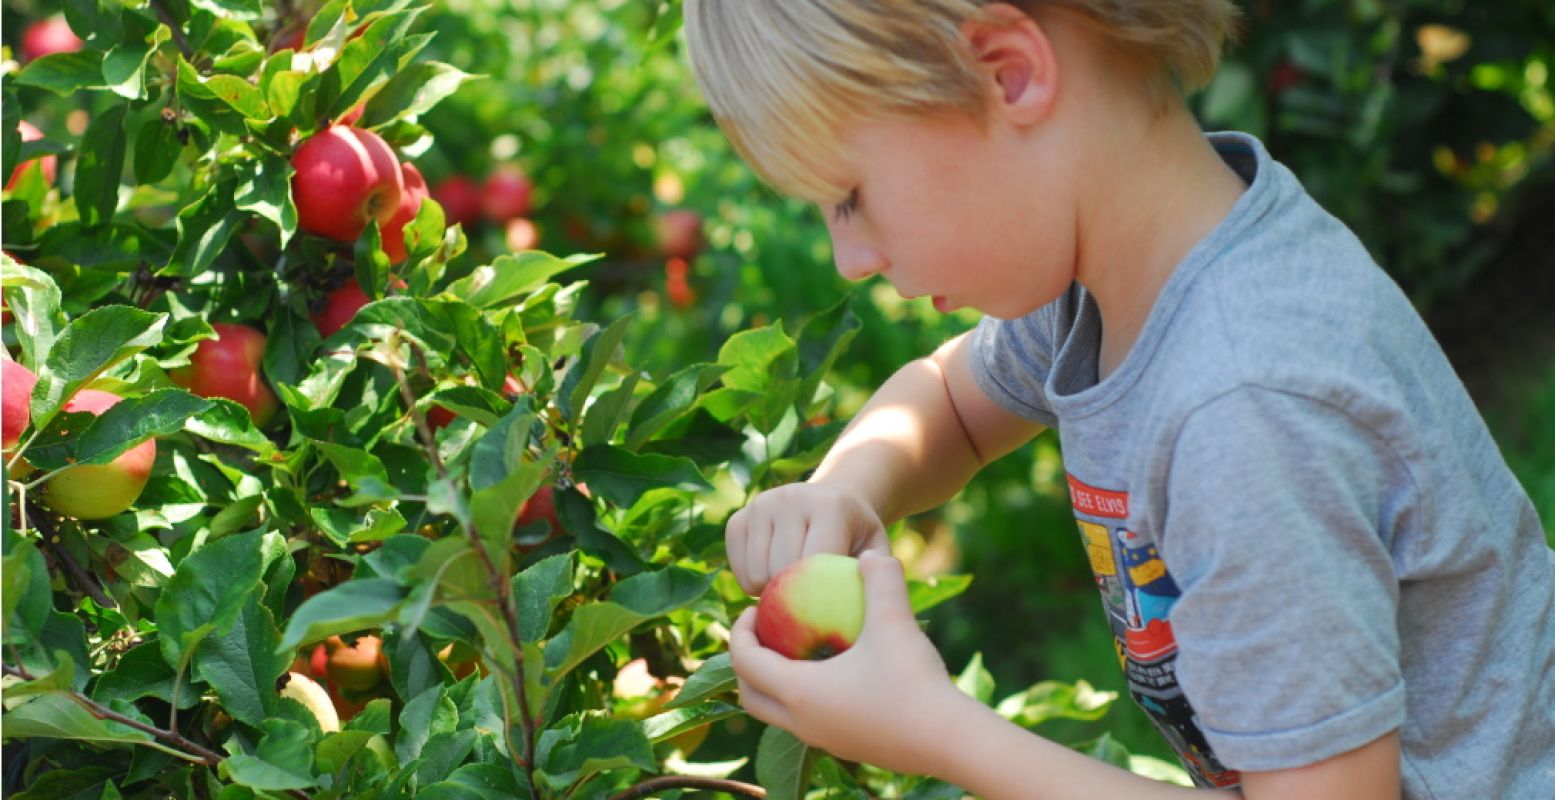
1323 580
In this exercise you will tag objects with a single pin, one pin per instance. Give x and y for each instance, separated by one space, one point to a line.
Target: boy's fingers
885 589
759 705
762 669
735 535
826 535
758 543
788 538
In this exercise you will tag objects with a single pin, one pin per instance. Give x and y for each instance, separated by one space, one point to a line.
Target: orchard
379 378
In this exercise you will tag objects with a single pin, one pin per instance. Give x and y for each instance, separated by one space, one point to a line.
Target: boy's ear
1018 59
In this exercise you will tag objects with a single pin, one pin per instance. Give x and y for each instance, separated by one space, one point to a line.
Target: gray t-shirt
1303 533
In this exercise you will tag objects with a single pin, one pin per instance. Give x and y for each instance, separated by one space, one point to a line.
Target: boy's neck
1157 188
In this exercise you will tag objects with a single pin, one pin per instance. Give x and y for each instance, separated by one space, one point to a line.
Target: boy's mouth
942 304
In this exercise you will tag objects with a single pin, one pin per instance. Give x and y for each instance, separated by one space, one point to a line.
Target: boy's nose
856 262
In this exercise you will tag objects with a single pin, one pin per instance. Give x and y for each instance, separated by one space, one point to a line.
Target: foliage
166 650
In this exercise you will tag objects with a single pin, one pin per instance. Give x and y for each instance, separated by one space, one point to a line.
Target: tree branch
653 786
179 38
499 581
61 554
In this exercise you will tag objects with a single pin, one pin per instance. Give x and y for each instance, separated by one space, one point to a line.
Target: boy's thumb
885 588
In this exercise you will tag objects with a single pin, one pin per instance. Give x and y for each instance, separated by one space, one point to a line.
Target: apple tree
304 501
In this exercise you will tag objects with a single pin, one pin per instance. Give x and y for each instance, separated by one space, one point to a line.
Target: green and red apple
99 491
48 165
813 609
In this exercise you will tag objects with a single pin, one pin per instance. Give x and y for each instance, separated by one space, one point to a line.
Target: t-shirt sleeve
1278 517
1011 360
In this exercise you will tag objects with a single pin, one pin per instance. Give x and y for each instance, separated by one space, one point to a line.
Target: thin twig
80 577
499 581
172 24
653 786
210 757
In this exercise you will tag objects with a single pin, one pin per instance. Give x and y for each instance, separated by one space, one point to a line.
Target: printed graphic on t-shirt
1138 592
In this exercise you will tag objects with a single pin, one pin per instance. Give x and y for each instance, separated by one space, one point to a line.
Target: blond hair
783 77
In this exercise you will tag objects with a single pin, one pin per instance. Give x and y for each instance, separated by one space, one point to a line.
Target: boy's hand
883 701
786 524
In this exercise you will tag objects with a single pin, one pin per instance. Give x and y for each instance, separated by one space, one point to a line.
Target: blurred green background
1427 125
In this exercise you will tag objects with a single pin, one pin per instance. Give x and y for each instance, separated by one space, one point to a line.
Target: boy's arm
922 436
1000 760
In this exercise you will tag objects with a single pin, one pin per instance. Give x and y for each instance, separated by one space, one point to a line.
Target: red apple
521 234
506 193
460 198
49 164
229 366
49 36
677 283
341 305
99 491
346 177
680 233
410 204
813 609
354 667
16 412
540 506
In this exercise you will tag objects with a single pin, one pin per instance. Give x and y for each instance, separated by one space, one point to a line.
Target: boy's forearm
995 759
905 451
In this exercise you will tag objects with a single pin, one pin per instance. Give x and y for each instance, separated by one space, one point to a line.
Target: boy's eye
845 209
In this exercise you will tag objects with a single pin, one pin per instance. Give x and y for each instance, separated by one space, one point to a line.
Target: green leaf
538 590
681 719
204 226
976 681
578 517
511 277
633 601
56 716
675 396
621 476
601 419
282 762
227 422
65 74
90 345
27 593
413 90
929 593
600 744
100 165
783 764
479 782
156 150
713 678
142 672
128 423
231 9
425 716
1055 700
207 593
242 665
265 188
34 299
595 357
351 606
368 478
823 338
124 65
